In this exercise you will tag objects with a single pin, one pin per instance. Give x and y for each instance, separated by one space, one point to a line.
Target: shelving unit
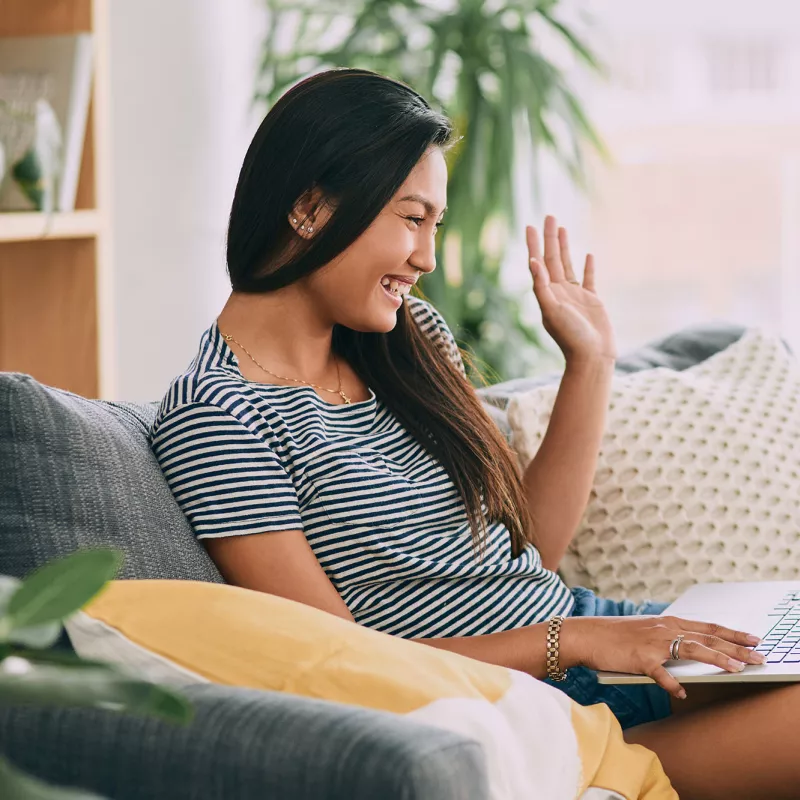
56 300
24 227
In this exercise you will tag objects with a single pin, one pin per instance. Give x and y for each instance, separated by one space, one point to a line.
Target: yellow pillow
538 743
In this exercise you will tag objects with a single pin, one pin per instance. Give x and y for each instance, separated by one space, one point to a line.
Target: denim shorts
631 704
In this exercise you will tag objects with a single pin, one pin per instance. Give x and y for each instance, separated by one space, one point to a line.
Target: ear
310 213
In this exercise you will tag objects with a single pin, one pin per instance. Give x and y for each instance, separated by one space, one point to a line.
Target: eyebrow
418 198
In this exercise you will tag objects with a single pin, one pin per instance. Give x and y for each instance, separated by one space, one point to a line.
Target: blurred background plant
479 62
36 670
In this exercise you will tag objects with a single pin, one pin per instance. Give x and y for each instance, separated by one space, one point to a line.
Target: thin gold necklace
338 391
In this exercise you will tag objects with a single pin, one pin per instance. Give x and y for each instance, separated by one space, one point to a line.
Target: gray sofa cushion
79 473
248 745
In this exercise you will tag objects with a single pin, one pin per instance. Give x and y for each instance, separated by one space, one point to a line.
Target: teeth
396 287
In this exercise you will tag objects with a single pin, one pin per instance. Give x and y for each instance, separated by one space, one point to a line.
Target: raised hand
572 313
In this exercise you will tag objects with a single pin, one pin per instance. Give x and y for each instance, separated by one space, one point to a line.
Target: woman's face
399 242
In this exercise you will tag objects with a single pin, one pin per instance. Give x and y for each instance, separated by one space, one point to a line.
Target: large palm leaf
479 61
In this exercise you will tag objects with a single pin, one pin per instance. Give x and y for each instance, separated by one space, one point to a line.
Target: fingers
709 628
557 257
566 260
736 651
539 273
552 249
589 281
726 643
541 281
534 247
666 681
695 651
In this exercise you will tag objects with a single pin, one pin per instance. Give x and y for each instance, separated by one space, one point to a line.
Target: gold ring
576 282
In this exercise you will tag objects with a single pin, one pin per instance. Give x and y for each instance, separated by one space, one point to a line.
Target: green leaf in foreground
8 588
39 636
61 658
15 785
62 587
23 682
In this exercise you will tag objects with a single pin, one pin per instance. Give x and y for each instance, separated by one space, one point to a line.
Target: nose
424 256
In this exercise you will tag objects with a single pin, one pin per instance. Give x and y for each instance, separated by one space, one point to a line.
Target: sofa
78 473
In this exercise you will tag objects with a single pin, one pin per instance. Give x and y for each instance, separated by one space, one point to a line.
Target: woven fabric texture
79 473
245 744
698 476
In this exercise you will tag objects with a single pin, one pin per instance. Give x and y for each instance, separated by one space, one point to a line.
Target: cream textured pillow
698 477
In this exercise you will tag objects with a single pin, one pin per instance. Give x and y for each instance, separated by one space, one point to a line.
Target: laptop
770 610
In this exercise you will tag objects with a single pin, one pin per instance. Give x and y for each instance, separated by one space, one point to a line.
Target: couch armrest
243 744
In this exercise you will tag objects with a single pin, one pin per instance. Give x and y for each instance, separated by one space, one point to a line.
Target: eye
420 220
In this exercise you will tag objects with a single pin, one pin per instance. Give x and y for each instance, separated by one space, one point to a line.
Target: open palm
572 313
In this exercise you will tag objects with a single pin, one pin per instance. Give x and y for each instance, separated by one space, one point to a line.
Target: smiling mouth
394 287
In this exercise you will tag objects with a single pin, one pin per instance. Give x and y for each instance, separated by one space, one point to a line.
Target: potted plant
33 670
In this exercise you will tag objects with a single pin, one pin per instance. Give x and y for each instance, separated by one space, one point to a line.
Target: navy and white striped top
381 515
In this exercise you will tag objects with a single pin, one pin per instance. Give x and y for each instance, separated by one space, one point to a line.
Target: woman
326 446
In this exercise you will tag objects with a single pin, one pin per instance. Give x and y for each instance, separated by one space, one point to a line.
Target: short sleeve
227 481
432 323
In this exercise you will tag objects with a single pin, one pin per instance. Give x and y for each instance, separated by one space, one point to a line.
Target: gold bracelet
554 671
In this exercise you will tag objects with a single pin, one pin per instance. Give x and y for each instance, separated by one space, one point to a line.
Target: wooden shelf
25 227
56 283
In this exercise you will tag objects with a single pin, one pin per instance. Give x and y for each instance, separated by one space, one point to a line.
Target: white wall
702 107
182 74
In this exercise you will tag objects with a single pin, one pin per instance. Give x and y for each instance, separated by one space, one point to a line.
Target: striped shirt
381 515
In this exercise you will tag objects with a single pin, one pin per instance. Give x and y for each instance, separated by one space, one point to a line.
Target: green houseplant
33 671
479 61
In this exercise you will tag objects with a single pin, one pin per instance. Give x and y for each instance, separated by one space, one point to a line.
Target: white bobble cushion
698 476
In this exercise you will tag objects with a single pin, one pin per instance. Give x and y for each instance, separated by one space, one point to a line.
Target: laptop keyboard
782 644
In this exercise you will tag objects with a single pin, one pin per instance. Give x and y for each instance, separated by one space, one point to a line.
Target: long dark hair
356 135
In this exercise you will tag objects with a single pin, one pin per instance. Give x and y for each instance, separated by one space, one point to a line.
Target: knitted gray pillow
78 473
